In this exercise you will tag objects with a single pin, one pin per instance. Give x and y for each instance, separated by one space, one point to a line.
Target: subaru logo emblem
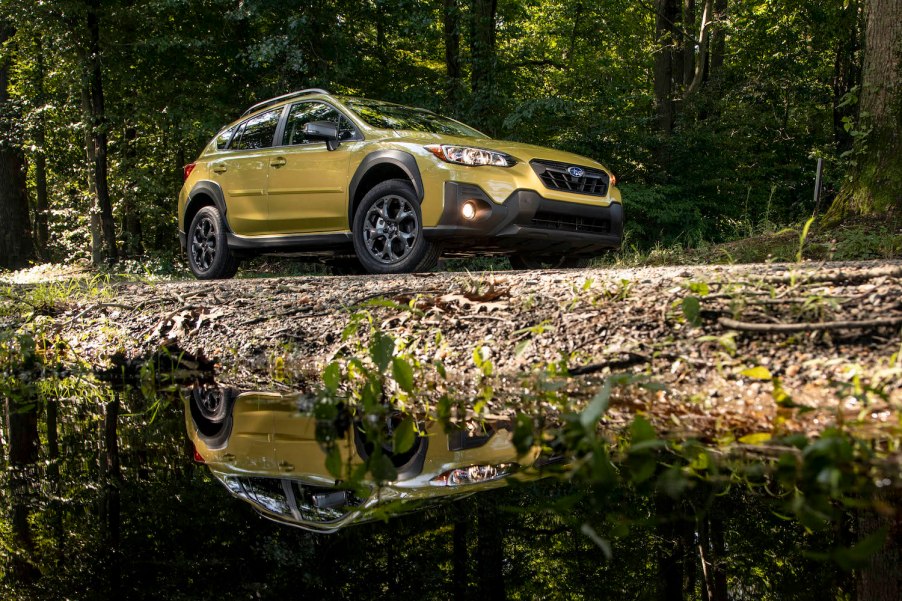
576 171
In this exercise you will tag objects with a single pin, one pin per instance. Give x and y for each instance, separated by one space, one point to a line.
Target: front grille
556 176
549 220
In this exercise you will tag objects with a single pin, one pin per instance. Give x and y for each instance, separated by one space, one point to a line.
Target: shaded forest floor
735 353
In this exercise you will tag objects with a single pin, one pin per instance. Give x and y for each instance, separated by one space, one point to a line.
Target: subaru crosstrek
371 186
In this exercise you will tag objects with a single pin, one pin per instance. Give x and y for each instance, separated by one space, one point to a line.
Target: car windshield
385 115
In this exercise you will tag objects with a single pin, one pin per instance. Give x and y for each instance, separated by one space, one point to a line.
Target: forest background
712 113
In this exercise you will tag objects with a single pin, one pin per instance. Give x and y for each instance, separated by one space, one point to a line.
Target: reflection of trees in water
104 504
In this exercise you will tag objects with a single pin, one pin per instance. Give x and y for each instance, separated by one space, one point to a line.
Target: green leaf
700 288
404 436
333 462
332 377
692 310
523 438
403 374
863 550
381 349
602 543
756 438
757 373
382 469
521 347
641 431
596 407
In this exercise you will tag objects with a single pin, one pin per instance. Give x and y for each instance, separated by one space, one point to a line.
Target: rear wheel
529 262
388 231
211 412
208 252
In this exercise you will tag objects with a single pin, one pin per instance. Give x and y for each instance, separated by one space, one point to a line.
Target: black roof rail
272 101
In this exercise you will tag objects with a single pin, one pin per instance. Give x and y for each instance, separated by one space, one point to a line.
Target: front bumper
525 222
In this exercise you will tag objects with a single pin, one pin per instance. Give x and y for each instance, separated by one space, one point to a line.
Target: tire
211 412
526 262
388 231
209 256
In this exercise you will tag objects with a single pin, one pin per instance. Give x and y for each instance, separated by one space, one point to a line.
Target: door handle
277 162
219 168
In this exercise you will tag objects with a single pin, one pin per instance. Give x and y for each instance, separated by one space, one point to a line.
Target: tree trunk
875 183
130 215
22 429
15 234
669 550
688 42
718 38
666 12
490 550
880 579
451 19
53 475
111 500
482 77
846 75
704 37
98 136
42 205
460 556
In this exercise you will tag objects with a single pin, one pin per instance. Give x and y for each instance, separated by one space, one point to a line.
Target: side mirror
323 130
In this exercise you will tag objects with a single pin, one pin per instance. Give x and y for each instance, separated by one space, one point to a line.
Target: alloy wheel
203 244
390 229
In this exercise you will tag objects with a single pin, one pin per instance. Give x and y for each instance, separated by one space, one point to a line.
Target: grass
863 239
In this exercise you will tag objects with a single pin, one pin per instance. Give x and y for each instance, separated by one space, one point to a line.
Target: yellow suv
378 187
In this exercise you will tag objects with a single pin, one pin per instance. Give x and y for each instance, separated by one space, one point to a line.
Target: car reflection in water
263 448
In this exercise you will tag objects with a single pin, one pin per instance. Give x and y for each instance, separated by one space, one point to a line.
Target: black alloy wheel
208 253
388 231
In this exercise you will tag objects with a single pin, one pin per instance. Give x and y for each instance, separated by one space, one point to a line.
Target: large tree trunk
451 20
15 233
103 208
22 429
482 77
688 42
875 182
666 12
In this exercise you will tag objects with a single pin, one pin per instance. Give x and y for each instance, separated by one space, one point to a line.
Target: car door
242 172
308 184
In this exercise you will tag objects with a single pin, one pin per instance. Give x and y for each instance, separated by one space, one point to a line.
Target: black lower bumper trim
526 222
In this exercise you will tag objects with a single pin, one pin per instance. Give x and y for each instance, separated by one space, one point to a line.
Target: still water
208 493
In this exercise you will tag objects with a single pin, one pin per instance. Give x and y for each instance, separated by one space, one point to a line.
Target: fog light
468 210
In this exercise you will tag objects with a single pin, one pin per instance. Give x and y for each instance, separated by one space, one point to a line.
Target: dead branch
789 328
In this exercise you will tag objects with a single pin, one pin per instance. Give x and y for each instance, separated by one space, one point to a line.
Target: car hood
518 150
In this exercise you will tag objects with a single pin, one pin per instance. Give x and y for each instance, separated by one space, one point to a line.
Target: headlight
475 157
474 474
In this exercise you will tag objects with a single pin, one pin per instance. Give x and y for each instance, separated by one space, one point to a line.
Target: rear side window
305 112
257 132
222 140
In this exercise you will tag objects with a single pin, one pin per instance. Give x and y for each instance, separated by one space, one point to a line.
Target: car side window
222 140
303 113
257 132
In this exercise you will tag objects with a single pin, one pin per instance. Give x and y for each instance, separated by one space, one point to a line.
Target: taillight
613 179
189 168
197 457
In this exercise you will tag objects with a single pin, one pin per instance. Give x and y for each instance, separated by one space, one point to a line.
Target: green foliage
738 160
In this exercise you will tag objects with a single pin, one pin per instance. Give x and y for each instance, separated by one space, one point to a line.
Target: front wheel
388 231
527 262
208 252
